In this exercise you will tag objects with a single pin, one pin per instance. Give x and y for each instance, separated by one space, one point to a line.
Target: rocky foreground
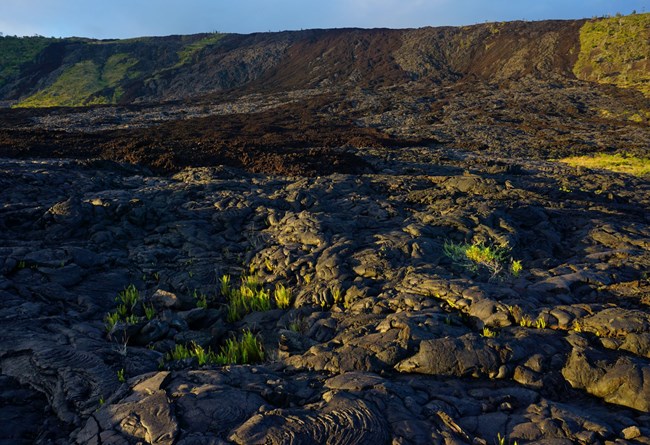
388 339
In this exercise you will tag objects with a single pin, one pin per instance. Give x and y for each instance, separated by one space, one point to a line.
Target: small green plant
120 376
156 276
123 313
526 322
337 295
180 352
201 299
129 297
22 264
111 319
540 323
193 351
268 265
282 296
324 304
202 356
501 440
225 285
244 351
244 301
478 256
250 297
489 333
149 311
481 254
101 401
251 281
516 267
122 310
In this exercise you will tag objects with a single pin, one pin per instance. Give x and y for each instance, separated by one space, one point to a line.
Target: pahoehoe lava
447 279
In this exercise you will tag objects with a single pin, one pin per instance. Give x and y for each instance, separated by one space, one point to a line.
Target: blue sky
132 18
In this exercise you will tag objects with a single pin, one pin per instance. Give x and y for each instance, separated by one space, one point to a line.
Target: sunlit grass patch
250 297
619 163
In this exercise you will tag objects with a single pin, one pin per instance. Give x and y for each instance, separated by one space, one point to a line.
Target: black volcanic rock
351 168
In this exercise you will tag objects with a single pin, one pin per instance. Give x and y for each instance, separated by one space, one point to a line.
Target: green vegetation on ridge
616 51
97 80
85 83
186 54
17 51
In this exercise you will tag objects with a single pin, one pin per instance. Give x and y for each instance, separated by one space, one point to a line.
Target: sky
105 19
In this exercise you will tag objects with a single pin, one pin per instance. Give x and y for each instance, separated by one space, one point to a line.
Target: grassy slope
92 82
188 52
83 83
616 51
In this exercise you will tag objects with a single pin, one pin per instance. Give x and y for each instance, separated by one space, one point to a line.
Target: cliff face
40 72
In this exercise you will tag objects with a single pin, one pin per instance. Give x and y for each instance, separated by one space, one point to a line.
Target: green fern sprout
282 296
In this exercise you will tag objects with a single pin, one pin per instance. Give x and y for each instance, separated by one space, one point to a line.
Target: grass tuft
244 351
201 299
225 287
282 296
250 297
526 322
125 311
489 333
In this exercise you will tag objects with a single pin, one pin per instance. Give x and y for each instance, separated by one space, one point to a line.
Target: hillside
39 72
